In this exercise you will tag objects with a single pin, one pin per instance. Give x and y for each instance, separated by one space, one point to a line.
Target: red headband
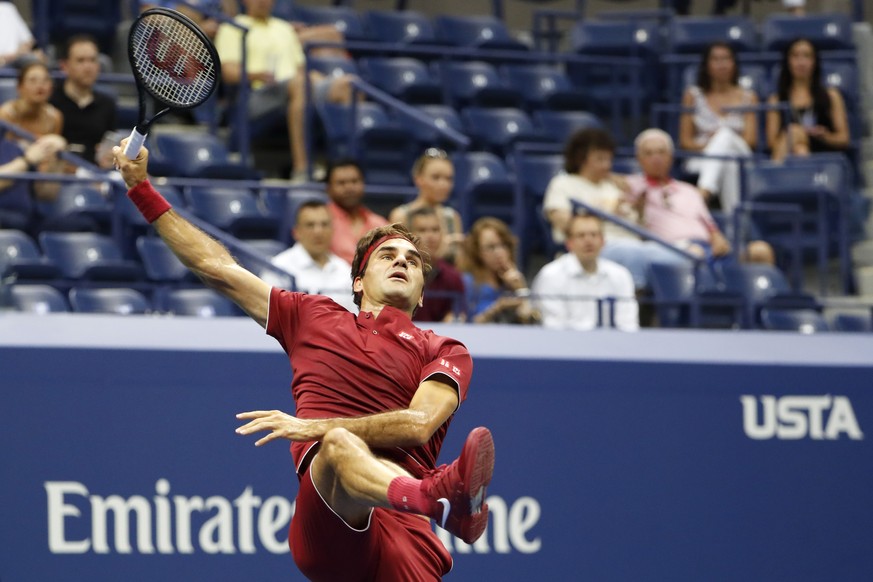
373 247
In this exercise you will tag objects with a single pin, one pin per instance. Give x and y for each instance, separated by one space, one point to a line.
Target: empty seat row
40 299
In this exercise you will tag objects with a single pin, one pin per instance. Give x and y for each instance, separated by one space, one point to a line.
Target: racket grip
134 142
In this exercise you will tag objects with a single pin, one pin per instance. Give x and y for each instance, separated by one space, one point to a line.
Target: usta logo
821 417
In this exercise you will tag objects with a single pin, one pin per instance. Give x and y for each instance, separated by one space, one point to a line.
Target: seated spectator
497 291
275 63
88 115
712 130
569 290
16 201
444 287
588 178
434 177
31 110
675 210
16 40
316 270
351 219
817 120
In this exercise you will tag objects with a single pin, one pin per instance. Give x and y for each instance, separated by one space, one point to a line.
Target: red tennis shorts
393 546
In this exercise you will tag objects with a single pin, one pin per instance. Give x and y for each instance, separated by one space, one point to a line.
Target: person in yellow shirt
274 65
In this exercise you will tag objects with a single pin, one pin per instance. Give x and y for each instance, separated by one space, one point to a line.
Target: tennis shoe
460 487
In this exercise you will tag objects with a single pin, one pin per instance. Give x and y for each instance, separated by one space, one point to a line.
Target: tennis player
374 397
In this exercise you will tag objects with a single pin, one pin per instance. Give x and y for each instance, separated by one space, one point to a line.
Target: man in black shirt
88 115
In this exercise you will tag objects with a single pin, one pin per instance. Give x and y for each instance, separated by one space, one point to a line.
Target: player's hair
581 143
472 257
363 249
313 203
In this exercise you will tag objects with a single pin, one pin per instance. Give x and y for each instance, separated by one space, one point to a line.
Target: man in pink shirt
675 210
351 219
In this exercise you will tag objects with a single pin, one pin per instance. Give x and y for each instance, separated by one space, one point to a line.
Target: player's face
429 229
36 86
436 180
314 230
346 187
585 239
394 276
655 158
82 65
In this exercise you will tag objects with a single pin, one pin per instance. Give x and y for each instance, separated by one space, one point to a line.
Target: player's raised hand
280 425
133 171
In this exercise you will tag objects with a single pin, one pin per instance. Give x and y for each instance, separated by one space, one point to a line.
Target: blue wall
619 457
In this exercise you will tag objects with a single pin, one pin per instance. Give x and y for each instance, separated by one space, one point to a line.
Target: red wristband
148 201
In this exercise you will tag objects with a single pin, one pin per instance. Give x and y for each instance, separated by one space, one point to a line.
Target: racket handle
134 142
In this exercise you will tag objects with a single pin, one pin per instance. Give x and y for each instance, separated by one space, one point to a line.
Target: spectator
712 130
497 291
675 210
434 177
351 219
443 287
275 63
16 203
16 40
569 290
31 110
588 178
316 270
88 114
817 118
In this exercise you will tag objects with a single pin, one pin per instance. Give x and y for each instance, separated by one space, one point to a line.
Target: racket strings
173 62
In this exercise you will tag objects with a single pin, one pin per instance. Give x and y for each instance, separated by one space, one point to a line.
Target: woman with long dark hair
817 120
713 129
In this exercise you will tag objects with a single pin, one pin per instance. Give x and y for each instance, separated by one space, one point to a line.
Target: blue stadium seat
681 300
764 286
160 264
88 256
497 130
544 87
195 154
692 35
558 126
401 27
476 83
346 19
98 18
234 210
478 32
533 173
825 31
803 320
483 188
120 301
444 116
77 207
616 38
854 323
405 78
35 299
8 89
199 303
333 66
21 259
384 147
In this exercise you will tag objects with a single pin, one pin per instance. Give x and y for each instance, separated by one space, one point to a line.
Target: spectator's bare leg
296 113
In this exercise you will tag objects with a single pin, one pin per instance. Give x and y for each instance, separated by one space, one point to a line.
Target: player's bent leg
350 478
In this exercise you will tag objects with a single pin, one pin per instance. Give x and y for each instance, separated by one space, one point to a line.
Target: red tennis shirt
347 365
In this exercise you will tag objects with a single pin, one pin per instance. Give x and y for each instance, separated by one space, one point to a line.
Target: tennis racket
173 62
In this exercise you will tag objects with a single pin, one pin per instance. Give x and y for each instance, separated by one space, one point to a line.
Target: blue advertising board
650 456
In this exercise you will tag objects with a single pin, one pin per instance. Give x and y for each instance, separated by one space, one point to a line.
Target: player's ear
421 300
357 285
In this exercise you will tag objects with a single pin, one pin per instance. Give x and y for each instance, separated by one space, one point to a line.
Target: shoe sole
478 457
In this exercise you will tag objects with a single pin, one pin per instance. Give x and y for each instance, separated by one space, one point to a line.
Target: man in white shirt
316 270
567 290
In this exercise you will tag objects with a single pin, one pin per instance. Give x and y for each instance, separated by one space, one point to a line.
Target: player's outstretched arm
198 251
434 402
